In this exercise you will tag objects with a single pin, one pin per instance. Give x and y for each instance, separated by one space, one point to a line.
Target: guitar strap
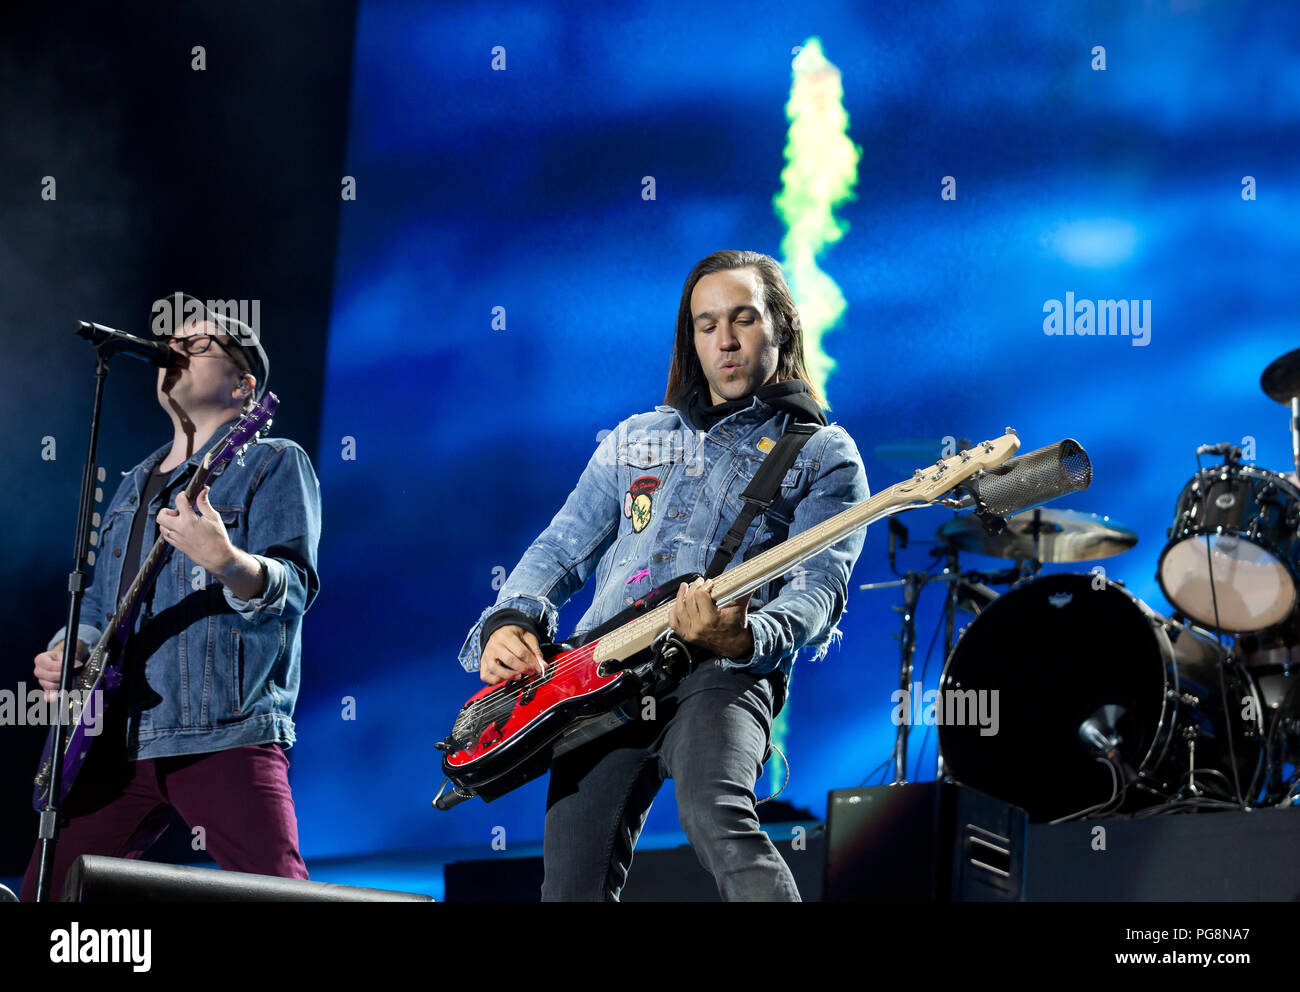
761 492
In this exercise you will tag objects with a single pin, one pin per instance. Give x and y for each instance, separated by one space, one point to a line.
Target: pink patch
637 577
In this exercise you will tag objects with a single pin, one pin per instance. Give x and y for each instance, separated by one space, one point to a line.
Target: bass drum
1071 666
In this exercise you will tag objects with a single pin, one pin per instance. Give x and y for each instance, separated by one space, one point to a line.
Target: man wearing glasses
211 670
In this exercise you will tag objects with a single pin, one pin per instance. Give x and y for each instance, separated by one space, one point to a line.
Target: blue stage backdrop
517 192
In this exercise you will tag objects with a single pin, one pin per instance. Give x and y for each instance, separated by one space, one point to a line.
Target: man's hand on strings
510 653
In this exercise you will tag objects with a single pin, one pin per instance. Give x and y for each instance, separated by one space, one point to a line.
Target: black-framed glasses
197 344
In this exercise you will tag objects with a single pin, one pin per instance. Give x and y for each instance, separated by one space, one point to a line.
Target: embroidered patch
637 577
766 445
637 503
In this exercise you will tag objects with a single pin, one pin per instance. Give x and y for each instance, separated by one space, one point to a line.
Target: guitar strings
505 699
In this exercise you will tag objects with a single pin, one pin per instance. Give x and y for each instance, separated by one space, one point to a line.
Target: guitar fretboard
158 554
924 486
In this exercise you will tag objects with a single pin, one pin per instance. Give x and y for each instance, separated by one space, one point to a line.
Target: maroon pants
239 797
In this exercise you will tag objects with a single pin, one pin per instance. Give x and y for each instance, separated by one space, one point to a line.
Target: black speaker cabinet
94 878
925 842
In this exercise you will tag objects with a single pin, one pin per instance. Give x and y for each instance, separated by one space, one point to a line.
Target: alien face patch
637 502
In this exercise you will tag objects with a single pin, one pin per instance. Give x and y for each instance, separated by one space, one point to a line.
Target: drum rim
1249 471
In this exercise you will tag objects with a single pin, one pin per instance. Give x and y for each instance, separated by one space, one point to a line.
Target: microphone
111 342
1231 452
1037 477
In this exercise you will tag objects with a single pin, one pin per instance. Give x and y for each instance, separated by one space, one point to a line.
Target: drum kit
1102 705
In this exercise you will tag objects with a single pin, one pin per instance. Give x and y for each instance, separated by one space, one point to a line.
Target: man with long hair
654 502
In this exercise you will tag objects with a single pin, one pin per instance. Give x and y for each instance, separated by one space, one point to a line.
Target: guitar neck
744 578
119 625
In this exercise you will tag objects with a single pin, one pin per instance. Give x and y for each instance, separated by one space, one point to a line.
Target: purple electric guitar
98 680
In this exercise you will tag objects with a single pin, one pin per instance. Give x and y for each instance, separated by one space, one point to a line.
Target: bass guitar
507 734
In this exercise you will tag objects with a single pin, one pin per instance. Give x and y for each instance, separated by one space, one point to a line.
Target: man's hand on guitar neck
49 666
198 531
510 653
698 620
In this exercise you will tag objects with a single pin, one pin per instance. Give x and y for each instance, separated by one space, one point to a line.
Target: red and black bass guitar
507 734
98 680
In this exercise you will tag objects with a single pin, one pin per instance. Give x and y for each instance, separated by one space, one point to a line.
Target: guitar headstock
928 484
243 433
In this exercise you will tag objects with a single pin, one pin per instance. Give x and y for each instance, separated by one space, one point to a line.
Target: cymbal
1281 380
1064 536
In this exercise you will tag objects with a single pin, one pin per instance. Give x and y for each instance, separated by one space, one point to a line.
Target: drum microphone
110 342
1227 448
1027 480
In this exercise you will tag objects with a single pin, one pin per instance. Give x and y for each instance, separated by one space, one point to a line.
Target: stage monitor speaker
924 842
93 878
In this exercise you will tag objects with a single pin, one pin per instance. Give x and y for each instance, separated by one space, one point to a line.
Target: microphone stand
951 567
912 583
47 832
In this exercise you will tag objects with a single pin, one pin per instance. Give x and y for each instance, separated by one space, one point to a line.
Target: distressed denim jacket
217 671
655 501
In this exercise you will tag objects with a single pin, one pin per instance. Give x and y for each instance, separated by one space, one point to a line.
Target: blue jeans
711 736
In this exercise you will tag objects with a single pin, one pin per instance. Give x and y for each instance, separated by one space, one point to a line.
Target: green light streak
820 173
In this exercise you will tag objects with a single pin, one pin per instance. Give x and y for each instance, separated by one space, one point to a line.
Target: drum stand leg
949 630
1191 790
1295 432
913 582
1278 788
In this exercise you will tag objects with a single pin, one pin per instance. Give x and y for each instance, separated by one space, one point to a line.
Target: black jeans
711 735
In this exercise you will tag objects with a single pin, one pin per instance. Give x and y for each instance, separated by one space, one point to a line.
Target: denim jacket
217 672
655 501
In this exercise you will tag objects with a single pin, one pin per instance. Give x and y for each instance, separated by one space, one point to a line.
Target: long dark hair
685 373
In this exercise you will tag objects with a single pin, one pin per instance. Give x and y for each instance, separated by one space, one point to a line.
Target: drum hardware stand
1036 529
949 630
1295 432
1231 457
1275 749
912 583
1191 789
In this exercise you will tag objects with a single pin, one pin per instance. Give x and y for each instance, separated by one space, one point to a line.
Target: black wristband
504 619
